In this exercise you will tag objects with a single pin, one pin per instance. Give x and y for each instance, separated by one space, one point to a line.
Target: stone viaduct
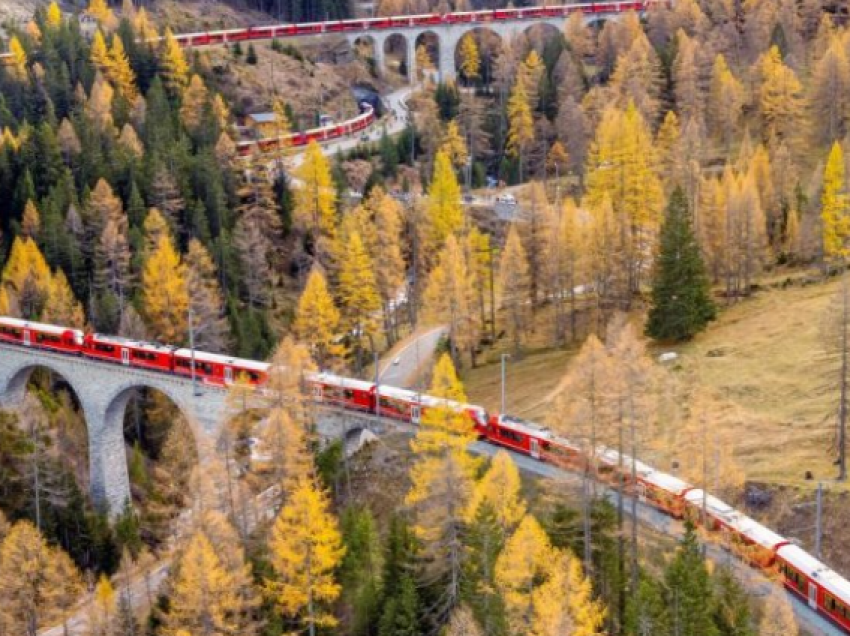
448 36
104 390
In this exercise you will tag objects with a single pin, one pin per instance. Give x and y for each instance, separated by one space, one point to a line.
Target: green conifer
681 293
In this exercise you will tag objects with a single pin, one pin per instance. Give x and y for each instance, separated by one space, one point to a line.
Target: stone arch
490 45
539 33
367 47
431 41
396 54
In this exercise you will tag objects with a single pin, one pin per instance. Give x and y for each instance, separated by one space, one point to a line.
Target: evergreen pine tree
689 595
681 294
733 615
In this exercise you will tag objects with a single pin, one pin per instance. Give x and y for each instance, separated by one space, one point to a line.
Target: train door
125 356
641 491
415 412
535 448
317 392
27 338
228 375
813 595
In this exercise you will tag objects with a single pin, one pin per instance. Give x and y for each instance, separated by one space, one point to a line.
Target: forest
667 167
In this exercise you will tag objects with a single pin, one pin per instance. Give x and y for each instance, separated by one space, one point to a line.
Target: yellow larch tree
424 64
282 130
529 74
444 210
195 98
100 11
621 168
463 623
725 103
99 105
211 329
287 442
779 98
317 319
38 583
26 277
454 145
143 26
129 141
386 252
120 72
449 297
205 597
175 69
61 306
166 300
500 487
470 60
103 608
521 124
54 15
358 290
524 571
514 287
835 212
99 55
315 201
18 56
305 549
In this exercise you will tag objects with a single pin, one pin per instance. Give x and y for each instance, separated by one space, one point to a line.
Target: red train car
219 370
128 352
815 583
43 336
345 392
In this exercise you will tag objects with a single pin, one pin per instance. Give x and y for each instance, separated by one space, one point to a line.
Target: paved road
410 358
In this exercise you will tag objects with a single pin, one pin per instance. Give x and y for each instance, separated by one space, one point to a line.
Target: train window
10 331
104 348
46 337
516 437
349 394
183 363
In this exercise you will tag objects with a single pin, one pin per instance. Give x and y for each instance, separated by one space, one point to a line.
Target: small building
262 125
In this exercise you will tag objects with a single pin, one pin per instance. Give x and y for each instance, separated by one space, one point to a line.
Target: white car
506 199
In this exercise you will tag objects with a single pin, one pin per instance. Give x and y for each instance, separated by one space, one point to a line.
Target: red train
816 584
321 134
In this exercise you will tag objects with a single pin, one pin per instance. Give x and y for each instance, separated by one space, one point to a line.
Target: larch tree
681 293
31 221
520 124
388 259
317 319
211 331
686 78
514 287
500 487
35 581
164 292
525 570
305 549
54 15
204 597
581 409
315 201
26 278
19 60
61 306
470 64
835 211
779 97
120 72
454 145
448 297
444 211
358 290
620 168
424 64
441 482
99 105
195 99
100 11
829 103
99 55
566 267
175 69
103 608
725 103
463 623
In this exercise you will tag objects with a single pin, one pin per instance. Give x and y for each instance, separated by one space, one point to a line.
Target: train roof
217 358
134 344
667 482
758 533
713 505
831 581
40 326
525 426
338 380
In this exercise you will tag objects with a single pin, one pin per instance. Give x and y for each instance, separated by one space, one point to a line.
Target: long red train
816 584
